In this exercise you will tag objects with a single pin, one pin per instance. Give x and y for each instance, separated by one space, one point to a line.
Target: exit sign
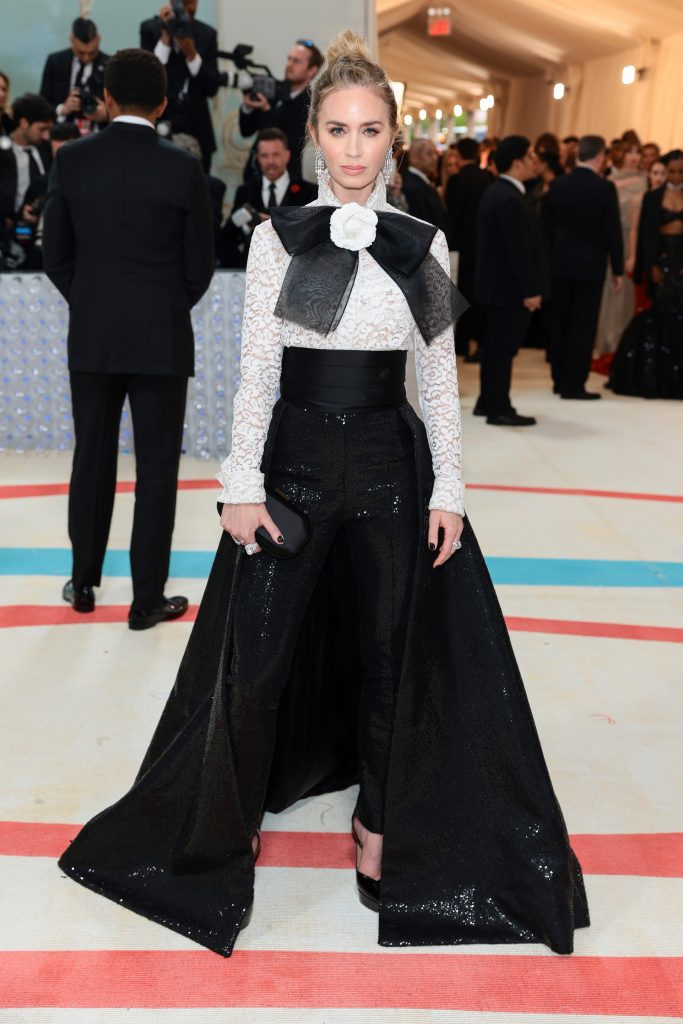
439 21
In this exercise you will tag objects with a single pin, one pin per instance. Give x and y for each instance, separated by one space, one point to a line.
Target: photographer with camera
73 79
287 109
187 48
274 186
24 251
24 157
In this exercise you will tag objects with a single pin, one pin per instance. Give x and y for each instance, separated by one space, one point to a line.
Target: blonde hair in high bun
348 65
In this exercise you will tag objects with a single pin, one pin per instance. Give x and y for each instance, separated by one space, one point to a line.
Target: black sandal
368 888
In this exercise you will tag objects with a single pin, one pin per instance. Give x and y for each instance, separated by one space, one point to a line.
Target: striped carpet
580 522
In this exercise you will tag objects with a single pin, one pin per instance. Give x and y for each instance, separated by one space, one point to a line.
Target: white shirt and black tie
29 167
273 192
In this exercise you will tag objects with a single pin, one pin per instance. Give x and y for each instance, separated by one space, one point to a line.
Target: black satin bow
320 275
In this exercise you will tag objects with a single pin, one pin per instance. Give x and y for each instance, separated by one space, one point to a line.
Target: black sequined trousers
351 471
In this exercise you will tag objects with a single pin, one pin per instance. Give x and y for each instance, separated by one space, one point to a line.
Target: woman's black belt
334 379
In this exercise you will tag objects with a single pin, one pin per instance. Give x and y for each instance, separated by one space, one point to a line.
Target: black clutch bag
295 526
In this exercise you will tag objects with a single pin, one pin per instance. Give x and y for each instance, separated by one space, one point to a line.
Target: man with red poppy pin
272 187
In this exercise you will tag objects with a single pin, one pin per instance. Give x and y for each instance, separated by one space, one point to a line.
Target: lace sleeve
260 362
437 385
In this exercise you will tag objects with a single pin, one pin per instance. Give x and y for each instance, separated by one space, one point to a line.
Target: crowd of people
577 246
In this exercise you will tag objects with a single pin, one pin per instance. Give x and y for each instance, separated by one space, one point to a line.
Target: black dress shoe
170 608
81 599
368 888
556 389
479 409
583 396
510 419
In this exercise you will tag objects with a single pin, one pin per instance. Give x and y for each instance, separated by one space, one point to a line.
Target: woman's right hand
241 522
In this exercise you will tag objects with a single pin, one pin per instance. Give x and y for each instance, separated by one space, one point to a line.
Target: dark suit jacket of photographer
127 239
8 181
56 81
288 115
234 244
201 86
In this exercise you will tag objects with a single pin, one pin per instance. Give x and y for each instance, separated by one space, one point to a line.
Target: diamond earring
320 165
388 168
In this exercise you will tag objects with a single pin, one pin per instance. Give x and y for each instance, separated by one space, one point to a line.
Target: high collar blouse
376 317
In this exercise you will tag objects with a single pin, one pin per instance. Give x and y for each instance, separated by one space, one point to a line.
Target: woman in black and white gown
378 653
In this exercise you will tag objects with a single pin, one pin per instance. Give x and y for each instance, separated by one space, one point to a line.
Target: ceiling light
628 74
408 119
490 101
457 110
423 114
439 114
483 103
558 91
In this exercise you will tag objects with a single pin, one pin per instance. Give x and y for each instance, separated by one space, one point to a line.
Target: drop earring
320 165
388 168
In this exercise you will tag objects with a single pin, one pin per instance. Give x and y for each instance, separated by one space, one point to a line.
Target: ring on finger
456 545
250 548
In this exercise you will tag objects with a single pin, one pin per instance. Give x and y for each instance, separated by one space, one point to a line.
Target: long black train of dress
649 359
475 845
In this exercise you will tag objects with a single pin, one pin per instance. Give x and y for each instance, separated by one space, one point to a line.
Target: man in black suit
254 199
463 195
73 79
581 212
304 60
509 277
423 199
128 241
24 158
189 53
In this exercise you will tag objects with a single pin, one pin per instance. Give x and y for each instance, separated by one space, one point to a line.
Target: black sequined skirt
475 844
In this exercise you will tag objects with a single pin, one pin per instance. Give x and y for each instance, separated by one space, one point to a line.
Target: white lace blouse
376 317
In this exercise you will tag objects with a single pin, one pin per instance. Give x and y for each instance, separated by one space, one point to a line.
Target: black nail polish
432 547
281 539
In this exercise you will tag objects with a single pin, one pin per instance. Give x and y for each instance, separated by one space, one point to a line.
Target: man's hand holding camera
256 102
186 44
72 104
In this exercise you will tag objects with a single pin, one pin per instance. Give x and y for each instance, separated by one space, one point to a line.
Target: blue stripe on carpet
547 572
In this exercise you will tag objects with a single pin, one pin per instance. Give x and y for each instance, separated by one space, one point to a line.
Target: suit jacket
581 211
56 80
127 239
288 115
8 179
648 233
234 246
197 120
463 194
424 202
511 261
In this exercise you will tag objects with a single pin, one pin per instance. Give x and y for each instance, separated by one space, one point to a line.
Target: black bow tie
320 275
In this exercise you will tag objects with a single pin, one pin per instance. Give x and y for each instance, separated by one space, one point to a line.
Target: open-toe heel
368 888
250 909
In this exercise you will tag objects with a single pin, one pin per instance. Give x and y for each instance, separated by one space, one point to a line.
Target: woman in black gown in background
378 654
649 359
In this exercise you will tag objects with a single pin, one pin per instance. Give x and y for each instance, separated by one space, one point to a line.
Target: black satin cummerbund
334 379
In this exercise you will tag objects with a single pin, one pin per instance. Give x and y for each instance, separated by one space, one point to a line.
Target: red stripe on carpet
608 630
657 855
622 986
62 615
579 492
127 486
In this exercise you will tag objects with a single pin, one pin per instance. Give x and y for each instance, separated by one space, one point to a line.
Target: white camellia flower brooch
353 227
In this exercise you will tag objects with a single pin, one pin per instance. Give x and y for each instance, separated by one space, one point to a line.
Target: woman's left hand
452 525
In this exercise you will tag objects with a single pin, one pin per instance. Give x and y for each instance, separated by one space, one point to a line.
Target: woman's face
632 159
675 171
354 134
4 90
450 163
657 174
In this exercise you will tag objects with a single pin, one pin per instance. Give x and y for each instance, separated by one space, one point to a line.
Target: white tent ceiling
495 40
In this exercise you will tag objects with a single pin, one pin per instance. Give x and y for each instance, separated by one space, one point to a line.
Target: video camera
178 25
245 79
